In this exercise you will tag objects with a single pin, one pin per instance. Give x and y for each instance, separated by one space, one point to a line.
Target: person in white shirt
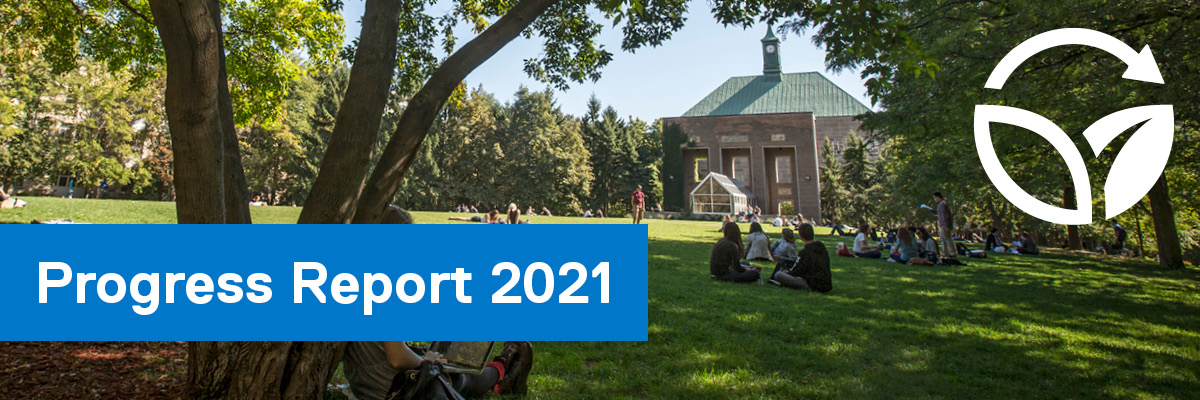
861 249
778 221
758 245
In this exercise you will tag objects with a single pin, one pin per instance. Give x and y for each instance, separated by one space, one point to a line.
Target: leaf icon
986 114
1142 159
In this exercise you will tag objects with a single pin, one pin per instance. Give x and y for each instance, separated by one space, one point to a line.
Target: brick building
765 132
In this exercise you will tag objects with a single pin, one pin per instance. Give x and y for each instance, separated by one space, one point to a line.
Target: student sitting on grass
906 247
728 220
927 246
1027 246
492 217
993 242
861 249
758 245
514 214
372 367
785 247
725 263
810 271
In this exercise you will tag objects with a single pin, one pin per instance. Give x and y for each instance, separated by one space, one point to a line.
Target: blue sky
657 82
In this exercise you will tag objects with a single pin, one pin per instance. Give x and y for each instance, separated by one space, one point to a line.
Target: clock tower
770 45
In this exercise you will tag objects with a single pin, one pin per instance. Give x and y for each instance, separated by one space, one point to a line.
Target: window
741 169
64 180
783 169
700 169
837 148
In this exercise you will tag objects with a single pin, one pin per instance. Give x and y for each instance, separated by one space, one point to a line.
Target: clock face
770 48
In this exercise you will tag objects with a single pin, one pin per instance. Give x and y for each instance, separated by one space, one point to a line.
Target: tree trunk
237 195
1141 239
261 370
1170 255
348 158
1073 240
414 125
192 46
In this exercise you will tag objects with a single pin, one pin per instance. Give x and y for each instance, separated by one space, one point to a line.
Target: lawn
1052 326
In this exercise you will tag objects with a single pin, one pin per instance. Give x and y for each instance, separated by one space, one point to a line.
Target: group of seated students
912 245
462 208
1023 245
513 216
804 269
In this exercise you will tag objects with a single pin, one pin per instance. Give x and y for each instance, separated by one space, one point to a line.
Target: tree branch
422 109
129 7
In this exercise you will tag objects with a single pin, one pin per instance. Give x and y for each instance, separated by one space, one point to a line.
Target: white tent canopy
717 194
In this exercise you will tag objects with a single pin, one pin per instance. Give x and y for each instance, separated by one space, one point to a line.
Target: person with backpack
1119 231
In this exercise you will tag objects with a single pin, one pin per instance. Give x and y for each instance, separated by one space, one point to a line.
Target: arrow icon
1142 66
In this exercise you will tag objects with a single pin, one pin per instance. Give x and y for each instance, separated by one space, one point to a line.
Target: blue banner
324 282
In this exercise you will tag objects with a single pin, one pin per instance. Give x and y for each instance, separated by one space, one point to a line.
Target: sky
654 82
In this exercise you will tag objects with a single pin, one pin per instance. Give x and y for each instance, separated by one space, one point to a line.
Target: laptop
464 357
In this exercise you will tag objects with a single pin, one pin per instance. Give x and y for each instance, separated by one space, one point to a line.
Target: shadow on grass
1006 326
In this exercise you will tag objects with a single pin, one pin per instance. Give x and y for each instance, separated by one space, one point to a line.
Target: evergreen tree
832 195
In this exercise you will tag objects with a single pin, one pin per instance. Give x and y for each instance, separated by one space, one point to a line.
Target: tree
209 179
544 161
925 62
673 140
831 185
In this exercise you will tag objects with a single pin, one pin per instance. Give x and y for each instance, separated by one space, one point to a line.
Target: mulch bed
92 370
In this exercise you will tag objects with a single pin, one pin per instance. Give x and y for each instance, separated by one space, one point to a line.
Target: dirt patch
92 370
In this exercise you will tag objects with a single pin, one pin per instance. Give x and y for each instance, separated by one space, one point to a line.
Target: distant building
765 132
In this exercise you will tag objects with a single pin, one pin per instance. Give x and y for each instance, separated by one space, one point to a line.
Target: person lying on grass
758 245
810 270
492 217
785 247
725 262
371 369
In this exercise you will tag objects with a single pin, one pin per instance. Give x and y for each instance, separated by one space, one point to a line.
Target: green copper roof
796 92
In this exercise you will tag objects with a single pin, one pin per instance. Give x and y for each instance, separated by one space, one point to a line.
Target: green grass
1053 326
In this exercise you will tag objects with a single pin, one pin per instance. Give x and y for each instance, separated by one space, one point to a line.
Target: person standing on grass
639 204
725 263
945 226
1119 231
811 269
